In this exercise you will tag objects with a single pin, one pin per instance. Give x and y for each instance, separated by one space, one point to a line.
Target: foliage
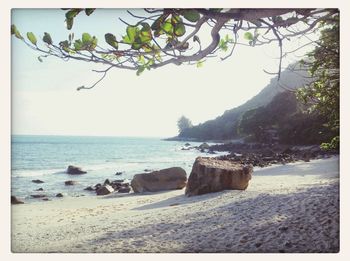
183 123
172 36
322 95
286 118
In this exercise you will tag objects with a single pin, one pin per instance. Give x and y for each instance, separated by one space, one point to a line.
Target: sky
45 100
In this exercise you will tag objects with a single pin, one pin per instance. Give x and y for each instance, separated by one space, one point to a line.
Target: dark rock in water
118 180
165 179
70 182
204 146
45 199
38 181
187 144
39 189
104 190
75 170
89 188
97 186
15 200
59 195
124 190
38 196
107 182
148 170
119 173
212 175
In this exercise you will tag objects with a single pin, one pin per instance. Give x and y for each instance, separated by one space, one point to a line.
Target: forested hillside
226 126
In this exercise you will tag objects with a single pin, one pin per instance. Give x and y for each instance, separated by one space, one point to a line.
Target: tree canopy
183 123
172 36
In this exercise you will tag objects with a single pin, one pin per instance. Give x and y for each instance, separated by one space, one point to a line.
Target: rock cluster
108 187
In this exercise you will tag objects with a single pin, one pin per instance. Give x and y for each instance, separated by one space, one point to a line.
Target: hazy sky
45 100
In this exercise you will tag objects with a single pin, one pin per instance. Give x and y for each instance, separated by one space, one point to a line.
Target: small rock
288 244
104 190
39 189
124 190
187 144
45 199
107 182
15 200
119 173
59 195
284 228
258 244
38 181
75 170
89 188
38 196
70 182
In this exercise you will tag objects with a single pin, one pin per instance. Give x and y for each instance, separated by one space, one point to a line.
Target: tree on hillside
173 36
183 123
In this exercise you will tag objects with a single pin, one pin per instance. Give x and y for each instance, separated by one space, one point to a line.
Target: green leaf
200 64
131 32
89 11
47 38
248 36
72 13
16 32
93 43
127 40
78 45
145 35
179 29
69 23
157 23
140 70
111 40
191 15
65 45
136 46
31 37
167 27
86 38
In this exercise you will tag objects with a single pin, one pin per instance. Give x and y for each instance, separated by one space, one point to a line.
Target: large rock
212 175
165 179
75 170
104 190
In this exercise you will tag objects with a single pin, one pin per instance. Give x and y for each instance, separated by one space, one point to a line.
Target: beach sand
291 208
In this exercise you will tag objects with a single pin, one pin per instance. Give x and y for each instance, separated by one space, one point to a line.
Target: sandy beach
291 208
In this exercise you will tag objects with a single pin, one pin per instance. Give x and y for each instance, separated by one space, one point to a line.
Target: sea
47 157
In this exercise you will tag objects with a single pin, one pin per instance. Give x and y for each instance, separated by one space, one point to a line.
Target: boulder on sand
212 175
75 170
104 190
165 179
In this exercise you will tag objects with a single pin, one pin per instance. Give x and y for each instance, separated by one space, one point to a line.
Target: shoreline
291 208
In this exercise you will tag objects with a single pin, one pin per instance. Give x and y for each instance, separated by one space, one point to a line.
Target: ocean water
47 158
